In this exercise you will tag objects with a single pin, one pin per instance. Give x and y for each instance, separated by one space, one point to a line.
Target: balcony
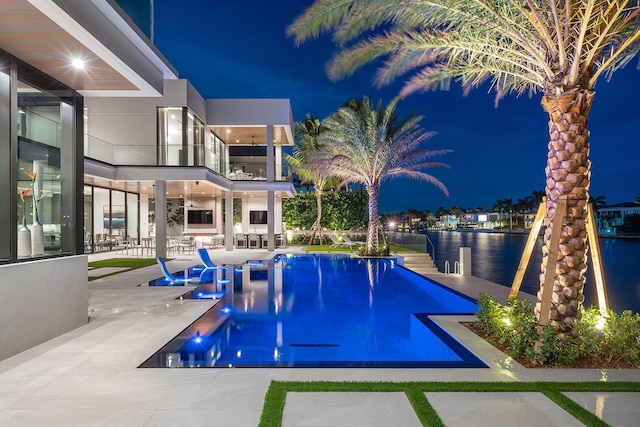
241 168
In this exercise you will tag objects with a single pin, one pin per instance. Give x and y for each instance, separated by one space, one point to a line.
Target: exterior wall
260 204
133 121
196 229
40 300
250 112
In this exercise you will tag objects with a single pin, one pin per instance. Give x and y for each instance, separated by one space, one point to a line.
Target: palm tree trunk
316 227
372 231
568 175
319 211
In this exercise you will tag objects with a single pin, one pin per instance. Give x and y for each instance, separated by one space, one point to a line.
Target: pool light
227 309
197 339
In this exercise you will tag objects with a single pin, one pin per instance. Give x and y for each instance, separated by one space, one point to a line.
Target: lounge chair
206 259
173 279
337 242
350 242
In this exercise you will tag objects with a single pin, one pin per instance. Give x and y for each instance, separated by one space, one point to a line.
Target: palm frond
518 46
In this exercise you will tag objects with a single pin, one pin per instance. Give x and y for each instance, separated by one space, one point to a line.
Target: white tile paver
348 409
616 409
488 409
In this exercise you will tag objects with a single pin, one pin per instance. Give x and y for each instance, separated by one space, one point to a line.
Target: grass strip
129 263
585 417
276 394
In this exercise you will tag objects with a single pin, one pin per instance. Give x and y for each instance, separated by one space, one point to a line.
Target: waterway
495 257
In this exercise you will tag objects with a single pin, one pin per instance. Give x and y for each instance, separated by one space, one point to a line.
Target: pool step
420 263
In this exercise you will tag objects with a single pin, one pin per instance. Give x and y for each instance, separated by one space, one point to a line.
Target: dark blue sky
239 49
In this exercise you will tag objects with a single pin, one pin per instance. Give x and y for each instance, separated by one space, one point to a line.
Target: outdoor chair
253 241
241 240
174 279
280 241
337 242
350 242
206 259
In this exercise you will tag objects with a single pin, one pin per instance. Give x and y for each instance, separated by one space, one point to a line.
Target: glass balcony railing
255 171
175 155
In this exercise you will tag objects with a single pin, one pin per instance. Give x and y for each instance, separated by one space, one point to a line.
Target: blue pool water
320 310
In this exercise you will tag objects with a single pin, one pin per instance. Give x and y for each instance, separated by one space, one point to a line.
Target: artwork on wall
115 217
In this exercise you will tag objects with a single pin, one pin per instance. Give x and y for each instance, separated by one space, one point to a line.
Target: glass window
132 216
180 145
39 172
169 136
101 218
88 219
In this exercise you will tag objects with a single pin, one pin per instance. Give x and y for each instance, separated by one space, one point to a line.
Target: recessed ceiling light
78 63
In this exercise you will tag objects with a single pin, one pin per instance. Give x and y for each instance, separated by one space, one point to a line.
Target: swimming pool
320 311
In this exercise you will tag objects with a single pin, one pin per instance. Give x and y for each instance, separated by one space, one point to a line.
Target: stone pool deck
89 376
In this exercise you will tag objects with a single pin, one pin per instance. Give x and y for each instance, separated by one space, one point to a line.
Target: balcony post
161 218
271 246
228 220
270 159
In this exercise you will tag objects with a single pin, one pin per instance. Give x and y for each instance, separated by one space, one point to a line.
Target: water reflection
495 257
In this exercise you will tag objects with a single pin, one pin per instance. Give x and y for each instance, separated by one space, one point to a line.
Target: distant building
611 217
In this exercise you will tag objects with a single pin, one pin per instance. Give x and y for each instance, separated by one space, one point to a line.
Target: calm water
322 310
495 257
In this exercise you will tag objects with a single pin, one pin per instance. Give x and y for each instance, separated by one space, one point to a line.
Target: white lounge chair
337 242
350 242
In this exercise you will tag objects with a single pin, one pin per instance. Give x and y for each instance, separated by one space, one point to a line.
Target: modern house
611 217
98 135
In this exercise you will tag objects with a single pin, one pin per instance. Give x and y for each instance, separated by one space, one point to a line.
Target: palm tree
559 49
369 144
307 133
538 197
498 206
597 203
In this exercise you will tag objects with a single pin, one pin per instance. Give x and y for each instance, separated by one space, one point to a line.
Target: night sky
239 49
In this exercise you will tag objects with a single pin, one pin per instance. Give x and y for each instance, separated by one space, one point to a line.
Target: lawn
128 263
415 392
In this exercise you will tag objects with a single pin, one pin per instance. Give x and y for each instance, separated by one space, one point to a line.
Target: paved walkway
89 376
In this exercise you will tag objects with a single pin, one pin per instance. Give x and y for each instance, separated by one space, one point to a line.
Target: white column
218 204
465 261
161 218
270 159
144 215
279 163
271 243
245 214
228 219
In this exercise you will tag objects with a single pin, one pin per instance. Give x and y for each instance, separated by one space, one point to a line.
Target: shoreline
519 232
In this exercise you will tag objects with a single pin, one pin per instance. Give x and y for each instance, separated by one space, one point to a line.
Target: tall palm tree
498 206
370 144
307 133
557 48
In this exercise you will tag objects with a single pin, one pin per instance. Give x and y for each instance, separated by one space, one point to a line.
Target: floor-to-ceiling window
41 163
112 217
180 137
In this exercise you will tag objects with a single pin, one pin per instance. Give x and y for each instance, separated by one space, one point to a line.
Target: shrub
611 338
